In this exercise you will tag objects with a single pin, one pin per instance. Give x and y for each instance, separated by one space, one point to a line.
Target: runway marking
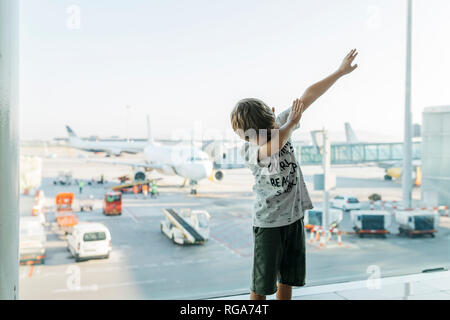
81 288
153 265
228 247
96 287
132 215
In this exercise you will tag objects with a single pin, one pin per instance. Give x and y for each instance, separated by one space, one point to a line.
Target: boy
281 194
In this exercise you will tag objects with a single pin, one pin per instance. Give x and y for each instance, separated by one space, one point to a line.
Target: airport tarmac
145 264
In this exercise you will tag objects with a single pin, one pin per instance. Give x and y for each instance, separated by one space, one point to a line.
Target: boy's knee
254 296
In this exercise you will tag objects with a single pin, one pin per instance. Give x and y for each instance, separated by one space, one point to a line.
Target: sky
186 63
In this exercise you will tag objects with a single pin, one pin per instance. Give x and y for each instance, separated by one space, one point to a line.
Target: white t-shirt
281 194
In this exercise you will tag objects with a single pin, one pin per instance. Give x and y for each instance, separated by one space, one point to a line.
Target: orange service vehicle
65 217
64 201
112 205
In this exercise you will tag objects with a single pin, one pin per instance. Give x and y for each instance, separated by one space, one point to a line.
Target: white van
346 203
89 240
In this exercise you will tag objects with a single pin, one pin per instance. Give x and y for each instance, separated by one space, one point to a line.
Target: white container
32 239
371 220
417 220
314 217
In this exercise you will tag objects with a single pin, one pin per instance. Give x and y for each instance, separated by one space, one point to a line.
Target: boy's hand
296 112
346 66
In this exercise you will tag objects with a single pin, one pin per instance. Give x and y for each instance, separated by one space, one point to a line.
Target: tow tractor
186 226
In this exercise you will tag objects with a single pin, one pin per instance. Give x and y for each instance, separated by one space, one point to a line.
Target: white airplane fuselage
184 161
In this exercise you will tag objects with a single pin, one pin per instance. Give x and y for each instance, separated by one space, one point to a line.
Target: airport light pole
9 150
326 181
326 173
407 144
127 108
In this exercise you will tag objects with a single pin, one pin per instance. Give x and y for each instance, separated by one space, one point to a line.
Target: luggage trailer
417 221
313 218
371 222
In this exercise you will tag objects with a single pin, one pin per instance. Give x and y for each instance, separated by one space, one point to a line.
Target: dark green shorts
279 254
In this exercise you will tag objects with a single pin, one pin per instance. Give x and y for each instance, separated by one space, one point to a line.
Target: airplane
393 169
188 162
112 146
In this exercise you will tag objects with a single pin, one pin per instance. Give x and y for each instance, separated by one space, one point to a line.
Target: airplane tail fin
350 134
149 131
71 132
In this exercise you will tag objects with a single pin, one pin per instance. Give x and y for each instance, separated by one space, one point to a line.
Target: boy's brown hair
252 114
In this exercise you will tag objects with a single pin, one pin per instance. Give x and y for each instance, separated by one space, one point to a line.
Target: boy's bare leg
254 296
284 292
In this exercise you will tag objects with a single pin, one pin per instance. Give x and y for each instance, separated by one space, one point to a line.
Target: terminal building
436 156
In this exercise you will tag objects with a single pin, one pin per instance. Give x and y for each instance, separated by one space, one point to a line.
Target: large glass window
135 97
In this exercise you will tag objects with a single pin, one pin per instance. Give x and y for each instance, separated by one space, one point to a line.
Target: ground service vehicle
89 240
112 204
64 178
371 221
86 203
313 218
65 217
131 187
32 240
186 226
414 222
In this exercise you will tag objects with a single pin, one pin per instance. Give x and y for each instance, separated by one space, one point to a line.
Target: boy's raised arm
316 90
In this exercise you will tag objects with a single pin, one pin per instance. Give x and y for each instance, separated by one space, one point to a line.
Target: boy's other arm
281 135
316 90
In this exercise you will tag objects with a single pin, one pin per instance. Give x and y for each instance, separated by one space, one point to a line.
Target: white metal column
9 150
407 145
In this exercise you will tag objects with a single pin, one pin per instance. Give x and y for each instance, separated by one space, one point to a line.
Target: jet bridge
357 153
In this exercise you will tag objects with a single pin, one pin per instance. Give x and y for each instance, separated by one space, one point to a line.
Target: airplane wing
129 164
387 165
397 164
